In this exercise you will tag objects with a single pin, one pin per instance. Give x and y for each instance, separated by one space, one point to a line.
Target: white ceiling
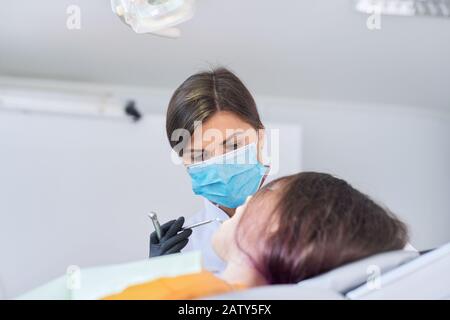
310 49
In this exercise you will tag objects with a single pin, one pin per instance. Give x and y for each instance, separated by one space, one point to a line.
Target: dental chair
392 275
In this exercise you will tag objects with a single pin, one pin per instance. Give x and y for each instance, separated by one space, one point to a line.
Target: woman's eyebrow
224 142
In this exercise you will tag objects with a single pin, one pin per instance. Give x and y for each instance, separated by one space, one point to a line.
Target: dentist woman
222 151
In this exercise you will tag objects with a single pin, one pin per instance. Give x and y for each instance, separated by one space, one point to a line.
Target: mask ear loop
267 166
264 177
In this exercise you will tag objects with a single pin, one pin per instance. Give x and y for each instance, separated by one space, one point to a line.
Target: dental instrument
152 215
195 225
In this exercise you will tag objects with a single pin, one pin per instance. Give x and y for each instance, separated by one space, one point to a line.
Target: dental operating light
429 8
158 17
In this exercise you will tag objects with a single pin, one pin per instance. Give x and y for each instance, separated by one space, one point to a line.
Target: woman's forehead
224 120
275 186
268 195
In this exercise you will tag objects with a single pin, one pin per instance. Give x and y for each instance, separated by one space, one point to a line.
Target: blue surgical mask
230 178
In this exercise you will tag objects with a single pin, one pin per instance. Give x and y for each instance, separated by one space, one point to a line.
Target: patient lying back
294 228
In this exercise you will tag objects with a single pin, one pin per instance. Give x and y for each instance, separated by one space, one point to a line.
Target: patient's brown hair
318 223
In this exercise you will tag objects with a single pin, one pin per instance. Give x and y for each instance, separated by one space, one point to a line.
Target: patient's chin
218 245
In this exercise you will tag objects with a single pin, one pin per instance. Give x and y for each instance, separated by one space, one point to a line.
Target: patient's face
223 240
256 211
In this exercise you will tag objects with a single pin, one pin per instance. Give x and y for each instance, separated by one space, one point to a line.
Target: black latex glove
171 240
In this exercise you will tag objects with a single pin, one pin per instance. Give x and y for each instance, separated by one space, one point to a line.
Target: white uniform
201 237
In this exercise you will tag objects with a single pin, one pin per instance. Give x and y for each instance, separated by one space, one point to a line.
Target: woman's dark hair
321 222
205 93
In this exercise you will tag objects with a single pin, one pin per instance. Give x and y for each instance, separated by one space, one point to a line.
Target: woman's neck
229 211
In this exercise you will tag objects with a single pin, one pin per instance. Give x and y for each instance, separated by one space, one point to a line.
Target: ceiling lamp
431 8
154 16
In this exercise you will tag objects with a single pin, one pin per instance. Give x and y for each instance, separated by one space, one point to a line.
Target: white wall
76 191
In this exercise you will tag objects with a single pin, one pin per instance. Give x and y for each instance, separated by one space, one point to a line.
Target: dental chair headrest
352 275
426 277
331 285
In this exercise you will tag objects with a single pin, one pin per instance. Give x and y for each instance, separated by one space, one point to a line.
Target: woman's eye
233 146
197 156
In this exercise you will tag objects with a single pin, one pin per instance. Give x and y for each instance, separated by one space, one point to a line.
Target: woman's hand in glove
172 240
